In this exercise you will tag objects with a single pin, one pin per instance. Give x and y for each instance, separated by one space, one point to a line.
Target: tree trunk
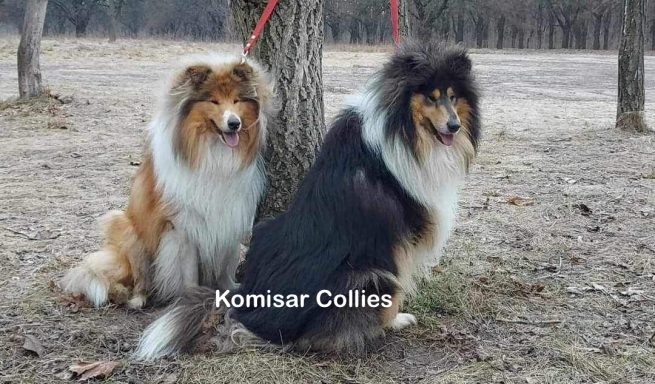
115 8
581 35
598 24
336 31
500 28
566 36
479 31
404 25
80 27
652 35
291 48
355 37
551 32
606 29
370 32
459 29
521 38
29 49
630 111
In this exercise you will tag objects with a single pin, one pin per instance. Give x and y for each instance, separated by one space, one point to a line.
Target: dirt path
560 288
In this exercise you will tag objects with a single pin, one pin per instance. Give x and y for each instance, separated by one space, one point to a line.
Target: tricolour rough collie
375 209
194 197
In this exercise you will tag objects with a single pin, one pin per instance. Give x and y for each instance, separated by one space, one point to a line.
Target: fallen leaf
574 290
169 379
99 369
65 375
632 292
584 209
33 345
520 201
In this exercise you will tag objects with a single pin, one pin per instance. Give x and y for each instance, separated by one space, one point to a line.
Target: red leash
260 26
394 22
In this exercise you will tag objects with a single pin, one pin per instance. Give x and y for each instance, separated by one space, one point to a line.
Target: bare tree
115 9
29 49
78 12
630 111
566 12
291 46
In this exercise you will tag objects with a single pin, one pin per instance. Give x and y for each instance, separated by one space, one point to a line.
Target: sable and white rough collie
194 197
375 209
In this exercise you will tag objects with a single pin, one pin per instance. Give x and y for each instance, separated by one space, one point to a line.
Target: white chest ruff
212 206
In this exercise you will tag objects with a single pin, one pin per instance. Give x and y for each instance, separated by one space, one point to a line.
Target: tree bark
521 38
500 29
630 111
598 24
652 35
606 28
291 48
355 36
566 36
584 29
336 31
540 26
459 28
80 27
115 8
404 24
551 32
479 23
29 49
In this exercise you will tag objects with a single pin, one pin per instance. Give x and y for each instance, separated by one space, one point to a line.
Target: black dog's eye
215 102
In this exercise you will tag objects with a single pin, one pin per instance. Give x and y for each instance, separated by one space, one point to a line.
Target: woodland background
536 24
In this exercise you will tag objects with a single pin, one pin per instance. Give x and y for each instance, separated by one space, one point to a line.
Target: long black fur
340 231
420 67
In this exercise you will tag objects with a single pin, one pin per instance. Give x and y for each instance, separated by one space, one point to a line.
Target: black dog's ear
459 62
243 71
196 75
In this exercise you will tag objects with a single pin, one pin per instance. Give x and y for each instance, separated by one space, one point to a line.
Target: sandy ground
559 288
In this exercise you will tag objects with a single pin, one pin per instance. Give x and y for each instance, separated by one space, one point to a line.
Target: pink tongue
231 139
447 139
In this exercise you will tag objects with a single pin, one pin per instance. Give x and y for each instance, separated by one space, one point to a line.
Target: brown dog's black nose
233 123
453 126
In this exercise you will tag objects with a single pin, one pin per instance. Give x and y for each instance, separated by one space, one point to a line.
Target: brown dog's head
223 104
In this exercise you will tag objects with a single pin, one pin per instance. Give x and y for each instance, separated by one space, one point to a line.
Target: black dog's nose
453 126
233 123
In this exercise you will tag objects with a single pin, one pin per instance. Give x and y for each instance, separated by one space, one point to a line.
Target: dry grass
560 289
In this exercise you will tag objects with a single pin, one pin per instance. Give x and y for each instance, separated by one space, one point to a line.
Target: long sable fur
343 228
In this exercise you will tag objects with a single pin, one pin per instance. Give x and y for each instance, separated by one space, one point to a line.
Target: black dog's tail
190 324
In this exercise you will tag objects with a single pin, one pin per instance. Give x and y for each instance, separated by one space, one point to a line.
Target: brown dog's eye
236 101
215 102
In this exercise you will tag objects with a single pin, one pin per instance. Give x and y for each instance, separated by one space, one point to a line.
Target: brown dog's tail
188 325
97 275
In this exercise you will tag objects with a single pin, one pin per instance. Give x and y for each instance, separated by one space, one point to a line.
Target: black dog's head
429 95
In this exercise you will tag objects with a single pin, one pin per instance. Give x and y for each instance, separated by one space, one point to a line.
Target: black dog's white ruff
374 210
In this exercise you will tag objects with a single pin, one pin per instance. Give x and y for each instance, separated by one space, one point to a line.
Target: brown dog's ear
243 71
196 75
